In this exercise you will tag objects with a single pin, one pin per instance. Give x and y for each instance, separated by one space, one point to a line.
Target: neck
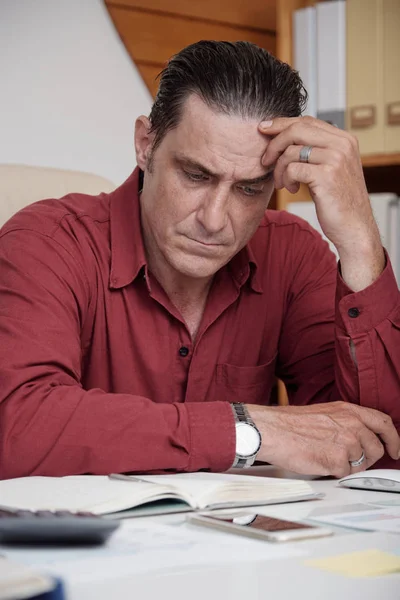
181 289
188 294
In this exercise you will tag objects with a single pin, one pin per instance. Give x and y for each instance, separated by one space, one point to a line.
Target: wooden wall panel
149 74
154 30
257 14
153 38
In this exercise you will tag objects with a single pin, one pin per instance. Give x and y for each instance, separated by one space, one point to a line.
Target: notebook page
94 493
191 485
220 488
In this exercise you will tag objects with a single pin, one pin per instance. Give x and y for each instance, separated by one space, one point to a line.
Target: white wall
69 92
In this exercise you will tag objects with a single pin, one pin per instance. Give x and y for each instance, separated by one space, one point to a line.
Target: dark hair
235 78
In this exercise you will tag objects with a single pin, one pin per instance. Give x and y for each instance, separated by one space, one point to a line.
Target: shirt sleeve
49 424
337 344
368 346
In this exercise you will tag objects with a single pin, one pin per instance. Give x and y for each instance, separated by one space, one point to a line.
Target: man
142 330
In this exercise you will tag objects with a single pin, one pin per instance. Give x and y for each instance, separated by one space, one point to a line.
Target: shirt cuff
213 436
360 312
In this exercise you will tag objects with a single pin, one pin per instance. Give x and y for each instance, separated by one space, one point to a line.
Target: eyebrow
188 162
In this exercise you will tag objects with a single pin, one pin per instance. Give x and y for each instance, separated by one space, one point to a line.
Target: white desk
165 558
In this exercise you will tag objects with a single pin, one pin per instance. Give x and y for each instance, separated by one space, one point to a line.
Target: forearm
50 424
368 359
362 259
66 430
374 381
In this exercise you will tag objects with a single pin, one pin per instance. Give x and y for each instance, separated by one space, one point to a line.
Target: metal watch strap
242 415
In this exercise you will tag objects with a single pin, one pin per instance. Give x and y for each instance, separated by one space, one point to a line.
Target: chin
198 269
198 273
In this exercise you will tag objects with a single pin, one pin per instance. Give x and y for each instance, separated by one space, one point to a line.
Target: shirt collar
127 250
243 267
128 255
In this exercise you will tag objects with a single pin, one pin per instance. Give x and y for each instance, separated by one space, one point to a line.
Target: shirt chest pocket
251 385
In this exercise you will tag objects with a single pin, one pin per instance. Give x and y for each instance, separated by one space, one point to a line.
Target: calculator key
7 513
46 527
63 513
24 513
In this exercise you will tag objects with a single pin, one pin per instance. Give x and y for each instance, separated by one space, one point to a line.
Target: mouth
196 247
206 244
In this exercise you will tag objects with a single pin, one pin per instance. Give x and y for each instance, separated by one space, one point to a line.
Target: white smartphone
260 526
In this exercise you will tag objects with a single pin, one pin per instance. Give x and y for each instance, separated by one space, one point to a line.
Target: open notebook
132 496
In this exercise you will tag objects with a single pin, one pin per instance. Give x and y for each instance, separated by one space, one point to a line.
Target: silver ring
357 463
305 154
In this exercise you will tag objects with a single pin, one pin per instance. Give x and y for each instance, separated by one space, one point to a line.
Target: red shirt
98 372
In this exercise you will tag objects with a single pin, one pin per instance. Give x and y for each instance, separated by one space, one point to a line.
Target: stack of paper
18 581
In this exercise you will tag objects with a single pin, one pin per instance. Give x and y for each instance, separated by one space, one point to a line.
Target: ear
143 141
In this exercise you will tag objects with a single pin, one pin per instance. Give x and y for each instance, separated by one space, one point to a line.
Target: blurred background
75 74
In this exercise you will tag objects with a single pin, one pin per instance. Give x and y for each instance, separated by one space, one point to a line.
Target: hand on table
322 439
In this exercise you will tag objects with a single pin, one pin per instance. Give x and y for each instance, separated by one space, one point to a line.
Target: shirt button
183 351
353 312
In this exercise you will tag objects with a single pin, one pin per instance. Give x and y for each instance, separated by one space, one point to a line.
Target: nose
213 211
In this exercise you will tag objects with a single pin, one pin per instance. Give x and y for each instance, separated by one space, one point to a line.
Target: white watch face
247 439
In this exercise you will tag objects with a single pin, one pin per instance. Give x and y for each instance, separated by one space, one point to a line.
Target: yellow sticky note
367 563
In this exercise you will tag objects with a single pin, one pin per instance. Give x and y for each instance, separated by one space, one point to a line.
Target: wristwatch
248 437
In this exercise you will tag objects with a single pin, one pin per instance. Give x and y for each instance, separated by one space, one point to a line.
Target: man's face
206 192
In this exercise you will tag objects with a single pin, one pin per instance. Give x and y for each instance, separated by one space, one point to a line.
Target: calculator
57 528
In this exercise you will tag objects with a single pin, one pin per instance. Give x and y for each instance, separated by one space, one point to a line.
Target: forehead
226 144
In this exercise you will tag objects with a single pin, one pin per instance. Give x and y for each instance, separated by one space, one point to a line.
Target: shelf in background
381 160
384 178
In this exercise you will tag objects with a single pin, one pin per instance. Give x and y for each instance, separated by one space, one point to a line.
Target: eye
257 188
251 191
195 176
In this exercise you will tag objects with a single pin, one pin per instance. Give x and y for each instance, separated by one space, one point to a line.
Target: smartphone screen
261 526
263 523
